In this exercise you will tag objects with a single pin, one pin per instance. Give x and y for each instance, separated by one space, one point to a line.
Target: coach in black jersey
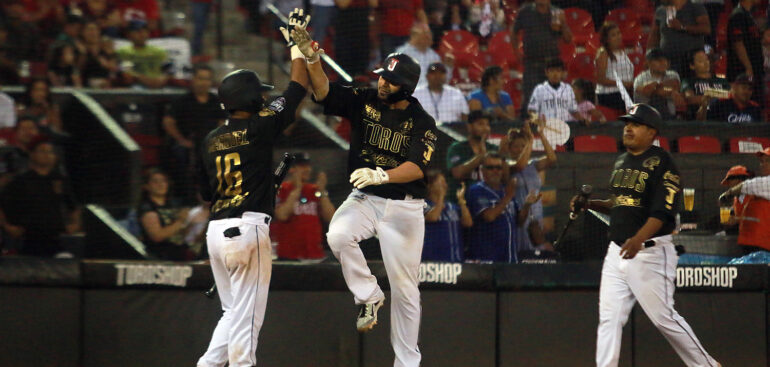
392 142
238 181
641 259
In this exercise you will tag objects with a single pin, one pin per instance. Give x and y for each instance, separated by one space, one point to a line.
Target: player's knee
337 240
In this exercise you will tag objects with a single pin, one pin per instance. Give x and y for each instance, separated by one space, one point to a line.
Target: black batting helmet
644 114
402 70
241 90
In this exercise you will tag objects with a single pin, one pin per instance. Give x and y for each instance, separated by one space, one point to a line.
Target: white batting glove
297 18
364 177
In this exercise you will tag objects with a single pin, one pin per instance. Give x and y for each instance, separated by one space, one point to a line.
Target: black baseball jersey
384 137
643 186
236 172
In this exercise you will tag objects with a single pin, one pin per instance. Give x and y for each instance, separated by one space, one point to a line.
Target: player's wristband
296 53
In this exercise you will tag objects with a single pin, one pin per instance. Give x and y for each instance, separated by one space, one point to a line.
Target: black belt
396 196
647 244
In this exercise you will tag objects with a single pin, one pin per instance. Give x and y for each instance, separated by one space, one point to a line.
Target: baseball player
237 180
392 141
641 259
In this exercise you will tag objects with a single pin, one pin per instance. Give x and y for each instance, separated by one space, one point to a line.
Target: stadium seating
699 144
595 144
643 8
513 87
638 60
579 21
462 44
581 66
747 144
662 142
567 51
610 114
500 47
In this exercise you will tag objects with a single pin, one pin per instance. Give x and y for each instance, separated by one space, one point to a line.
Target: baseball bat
278 176
580 204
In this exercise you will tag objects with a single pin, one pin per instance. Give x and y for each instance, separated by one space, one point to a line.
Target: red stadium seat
462 44
644 10
595 144
699 144
748 144
638 60
610 114
721 30
589 43
513 87
623 17
662 142
500 46
579 21
581 66
151 145
720 65
566 51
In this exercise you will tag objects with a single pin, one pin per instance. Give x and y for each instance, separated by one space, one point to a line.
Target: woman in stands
491 98
99 62
63 68
612 64
37 103
163 221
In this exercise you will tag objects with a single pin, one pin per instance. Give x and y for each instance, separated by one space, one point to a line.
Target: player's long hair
604 38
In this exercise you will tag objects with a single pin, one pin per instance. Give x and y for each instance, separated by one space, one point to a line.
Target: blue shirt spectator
491 98
443 221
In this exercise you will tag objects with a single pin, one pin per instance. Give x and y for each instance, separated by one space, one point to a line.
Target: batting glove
297 18
364 177
306 45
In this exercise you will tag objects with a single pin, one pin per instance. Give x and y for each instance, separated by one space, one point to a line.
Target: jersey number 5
232 179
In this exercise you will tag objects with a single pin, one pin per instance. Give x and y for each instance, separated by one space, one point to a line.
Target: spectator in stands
324 13
754 211
735 176
658 86
464 158
739 108
486 17
554 99
703 85
8 73
23 36
612 64
142 63
300 209
744 47
680 26
517 145
351 36
38 205
200 17
584 95
491 98
444 221
37 103
15 156
418 47
542 25
70 31
187 121
48 15
496 215
442 101
713 8
396 19
7 111
455 15
164 221
99 63
146 11
104 14
63 70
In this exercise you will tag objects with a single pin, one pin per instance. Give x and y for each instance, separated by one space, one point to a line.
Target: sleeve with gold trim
422 144
667 186
284 108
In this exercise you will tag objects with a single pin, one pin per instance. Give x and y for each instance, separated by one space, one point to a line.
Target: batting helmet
241 90
402 70
644 114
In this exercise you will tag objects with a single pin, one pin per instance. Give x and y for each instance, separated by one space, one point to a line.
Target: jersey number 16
232 179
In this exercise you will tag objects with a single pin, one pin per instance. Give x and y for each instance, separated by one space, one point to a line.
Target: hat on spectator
737 172
655 54
301 158
437 66
743 79
75 18
763 152
478 114
554 63
136 24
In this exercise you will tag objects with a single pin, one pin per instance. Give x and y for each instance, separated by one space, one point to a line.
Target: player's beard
383 94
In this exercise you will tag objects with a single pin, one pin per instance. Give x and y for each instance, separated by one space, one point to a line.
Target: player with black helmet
392 142
640 264
237 179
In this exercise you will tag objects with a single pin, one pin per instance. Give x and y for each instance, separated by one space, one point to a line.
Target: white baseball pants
649 278
242 266
400 225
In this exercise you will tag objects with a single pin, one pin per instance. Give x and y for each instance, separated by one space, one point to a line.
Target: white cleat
367 316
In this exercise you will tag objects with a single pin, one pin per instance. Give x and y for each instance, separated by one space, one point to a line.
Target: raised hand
306 45
297 18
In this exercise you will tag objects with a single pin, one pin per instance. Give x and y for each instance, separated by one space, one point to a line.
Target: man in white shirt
443 102
418 47
7 111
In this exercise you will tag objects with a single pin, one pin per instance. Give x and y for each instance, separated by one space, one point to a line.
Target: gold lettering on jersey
228 141
624 200
233 202
629 179
668 176
266 112
651 163
383 160
386 139
372 113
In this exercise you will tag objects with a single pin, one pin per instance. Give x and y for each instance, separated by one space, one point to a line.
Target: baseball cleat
367 316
